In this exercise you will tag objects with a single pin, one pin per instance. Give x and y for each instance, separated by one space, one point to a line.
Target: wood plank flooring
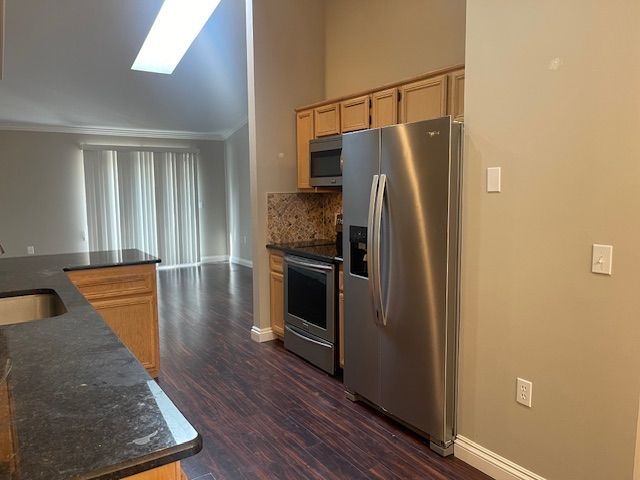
264 413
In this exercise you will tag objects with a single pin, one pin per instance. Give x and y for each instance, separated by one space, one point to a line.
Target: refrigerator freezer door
415 256
360 152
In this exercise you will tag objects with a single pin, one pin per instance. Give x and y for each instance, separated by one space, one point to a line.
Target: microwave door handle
371 267
376 246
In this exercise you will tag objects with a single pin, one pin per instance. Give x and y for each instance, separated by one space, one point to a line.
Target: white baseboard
215 259
262 334
241 261
489 462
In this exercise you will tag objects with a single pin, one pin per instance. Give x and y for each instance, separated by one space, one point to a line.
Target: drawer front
275 262
114 282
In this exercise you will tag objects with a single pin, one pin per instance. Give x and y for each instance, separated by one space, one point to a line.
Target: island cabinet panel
341 316
384 108
8 438
456 95
327 120
171 471
134 320
276 285
304 133
126 298
424 99
354 114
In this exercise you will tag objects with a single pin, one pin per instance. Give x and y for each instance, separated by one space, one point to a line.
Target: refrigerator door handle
376 248
370 242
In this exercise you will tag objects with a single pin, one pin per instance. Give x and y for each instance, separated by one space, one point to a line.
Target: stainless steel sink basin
26 308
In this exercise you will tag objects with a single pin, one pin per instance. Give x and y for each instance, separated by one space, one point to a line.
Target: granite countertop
324 250
80 405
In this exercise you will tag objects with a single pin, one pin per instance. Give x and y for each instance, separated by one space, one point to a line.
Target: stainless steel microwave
325 164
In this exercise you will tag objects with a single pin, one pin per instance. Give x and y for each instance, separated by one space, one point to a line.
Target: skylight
177 25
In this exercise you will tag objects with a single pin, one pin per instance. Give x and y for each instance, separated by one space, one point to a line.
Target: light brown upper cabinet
384 108
304 133
327 120
423 99
456 95
354 114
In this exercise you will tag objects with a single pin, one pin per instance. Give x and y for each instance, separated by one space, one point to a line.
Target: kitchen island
74 401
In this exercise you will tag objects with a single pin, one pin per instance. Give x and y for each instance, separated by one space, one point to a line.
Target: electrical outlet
31 250
524 389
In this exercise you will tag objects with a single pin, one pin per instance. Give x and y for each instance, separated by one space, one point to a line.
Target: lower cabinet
8 438
134 320
171 471
276 288
126 298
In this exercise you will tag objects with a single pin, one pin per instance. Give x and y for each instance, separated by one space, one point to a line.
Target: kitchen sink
29 307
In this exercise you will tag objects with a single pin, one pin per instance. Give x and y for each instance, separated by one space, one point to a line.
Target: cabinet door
456 95
304 133
327 120
277 303
134 320
172 471
424 99
384 108
8 438
354 114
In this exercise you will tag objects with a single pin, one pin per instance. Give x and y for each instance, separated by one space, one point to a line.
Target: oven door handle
322 344
292 261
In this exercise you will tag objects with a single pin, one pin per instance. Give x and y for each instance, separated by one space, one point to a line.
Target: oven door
309 296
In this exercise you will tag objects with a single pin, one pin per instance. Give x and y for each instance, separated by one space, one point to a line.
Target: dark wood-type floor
264 413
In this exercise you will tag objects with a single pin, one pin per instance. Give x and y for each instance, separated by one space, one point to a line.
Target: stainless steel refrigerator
401 236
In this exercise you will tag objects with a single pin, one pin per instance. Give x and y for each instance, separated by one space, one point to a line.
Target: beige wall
373 42
42 198
285 52
238 195
567 141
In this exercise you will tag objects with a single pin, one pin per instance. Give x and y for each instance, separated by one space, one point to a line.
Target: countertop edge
174 454
303 253
75 268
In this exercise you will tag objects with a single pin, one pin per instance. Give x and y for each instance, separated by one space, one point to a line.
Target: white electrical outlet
31 250
524 390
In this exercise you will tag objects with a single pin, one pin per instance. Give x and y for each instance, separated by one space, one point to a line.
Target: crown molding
117 132
230 131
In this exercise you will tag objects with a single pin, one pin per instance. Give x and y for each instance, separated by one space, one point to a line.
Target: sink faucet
1 249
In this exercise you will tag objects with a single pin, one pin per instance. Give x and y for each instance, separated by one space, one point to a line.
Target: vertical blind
145 200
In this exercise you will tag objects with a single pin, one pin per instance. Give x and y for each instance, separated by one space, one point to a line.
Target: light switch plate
493 179
601 259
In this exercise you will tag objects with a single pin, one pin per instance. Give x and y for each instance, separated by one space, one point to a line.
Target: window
143 199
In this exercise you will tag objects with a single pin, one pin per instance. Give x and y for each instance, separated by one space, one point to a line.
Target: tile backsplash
296 217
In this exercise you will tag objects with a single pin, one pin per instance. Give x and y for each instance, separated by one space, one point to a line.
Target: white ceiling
68 63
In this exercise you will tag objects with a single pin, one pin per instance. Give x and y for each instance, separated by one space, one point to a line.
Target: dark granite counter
323 250
79 404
